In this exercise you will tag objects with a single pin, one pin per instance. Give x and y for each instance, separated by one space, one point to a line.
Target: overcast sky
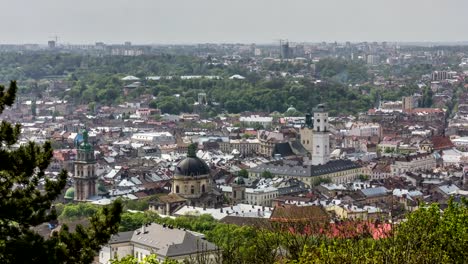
243 21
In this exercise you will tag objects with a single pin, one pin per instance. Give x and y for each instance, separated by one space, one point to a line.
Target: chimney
221 210
143 229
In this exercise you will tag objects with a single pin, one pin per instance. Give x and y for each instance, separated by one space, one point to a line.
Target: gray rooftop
170 242
377 191
306 171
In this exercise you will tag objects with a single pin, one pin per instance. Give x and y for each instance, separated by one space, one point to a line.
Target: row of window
192 189
81 171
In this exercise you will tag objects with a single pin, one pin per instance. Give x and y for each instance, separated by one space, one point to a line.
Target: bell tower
85 170
321 138
306 132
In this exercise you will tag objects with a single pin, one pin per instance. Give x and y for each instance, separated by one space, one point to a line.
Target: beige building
355 213
338 171
246 147
407 103
192 181
412 163
261 196
160 240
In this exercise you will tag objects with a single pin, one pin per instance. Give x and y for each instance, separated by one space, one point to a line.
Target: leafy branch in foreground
26 196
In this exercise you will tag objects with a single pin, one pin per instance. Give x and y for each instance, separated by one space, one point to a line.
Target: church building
85 171
192 181
315 136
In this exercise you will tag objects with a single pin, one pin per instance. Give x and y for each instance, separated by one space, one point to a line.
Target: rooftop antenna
56 38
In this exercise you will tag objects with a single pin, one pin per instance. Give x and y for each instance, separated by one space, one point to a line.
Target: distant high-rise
285 51
372 59
85 170
51 44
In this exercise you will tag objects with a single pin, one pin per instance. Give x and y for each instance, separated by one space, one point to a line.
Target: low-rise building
157 138
338 171
252 120
261 196
161 240
412 163
245 147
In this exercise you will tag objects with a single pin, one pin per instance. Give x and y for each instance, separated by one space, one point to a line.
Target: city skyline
209 21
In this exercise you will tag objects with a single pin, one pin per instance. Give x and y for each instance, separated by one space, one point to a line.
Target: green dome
70 193
239 181
101 189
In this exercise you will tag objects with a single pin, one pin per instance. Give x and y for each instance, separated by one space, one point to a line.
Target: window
318 120
203 188
177 189
192 189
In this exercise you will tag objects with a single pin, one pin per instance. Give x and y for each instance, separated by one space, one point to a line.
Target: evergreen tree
23 205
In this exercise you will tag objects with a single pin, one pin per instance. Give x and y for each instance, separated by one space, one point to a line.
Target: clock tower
85 170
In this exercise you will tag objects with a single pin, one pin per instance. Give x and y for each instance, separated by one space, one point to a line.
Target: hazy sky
246 21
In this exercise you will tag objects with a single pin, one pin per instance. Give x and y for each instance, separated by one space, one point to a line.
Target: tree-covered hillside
99 80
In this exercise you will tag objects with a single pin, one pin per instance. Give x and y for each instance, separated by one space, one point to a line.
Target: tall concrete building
85 170
321 137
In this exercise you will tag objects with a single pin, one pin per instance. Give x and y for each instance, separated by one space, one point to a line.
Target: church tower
85 170
321 138
306 132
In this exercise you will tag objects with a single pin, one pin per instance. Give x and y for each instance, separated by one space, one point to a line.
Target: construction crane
55 38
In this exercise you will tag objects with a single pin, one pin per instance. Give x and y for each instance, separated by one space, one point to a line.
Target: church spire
308 119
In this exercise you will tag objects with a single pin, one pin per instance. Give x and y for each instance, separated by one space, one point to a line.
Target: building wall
321 139
421 163
110 252
260 197
266 148
140 252
183 186
307 138
348 214
245 148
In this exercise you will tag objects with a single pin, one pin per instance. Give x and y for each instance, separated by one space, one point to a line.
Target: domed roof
239 180
69 193
291 109
101 189
191 166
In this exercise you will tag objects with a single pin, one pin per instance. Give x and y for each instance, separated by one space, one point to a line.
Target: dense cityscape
233 132
239 153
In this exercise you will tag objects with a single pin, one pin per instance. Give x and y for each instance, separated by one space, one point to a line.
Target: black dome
191 166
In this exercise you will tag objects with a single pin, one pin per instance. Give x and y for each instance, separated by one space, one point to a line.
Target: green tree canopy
25 203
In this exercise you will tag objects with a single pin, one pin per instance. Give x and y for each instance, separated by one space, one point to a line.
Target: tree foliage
428 236
151 259
26 196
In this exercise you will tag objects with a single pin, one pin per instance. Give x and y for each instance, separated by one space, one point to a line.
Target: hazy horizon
242 21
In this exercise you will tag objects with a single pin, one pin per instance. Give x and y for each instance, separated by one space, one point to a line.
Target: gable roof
169 241
295 213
